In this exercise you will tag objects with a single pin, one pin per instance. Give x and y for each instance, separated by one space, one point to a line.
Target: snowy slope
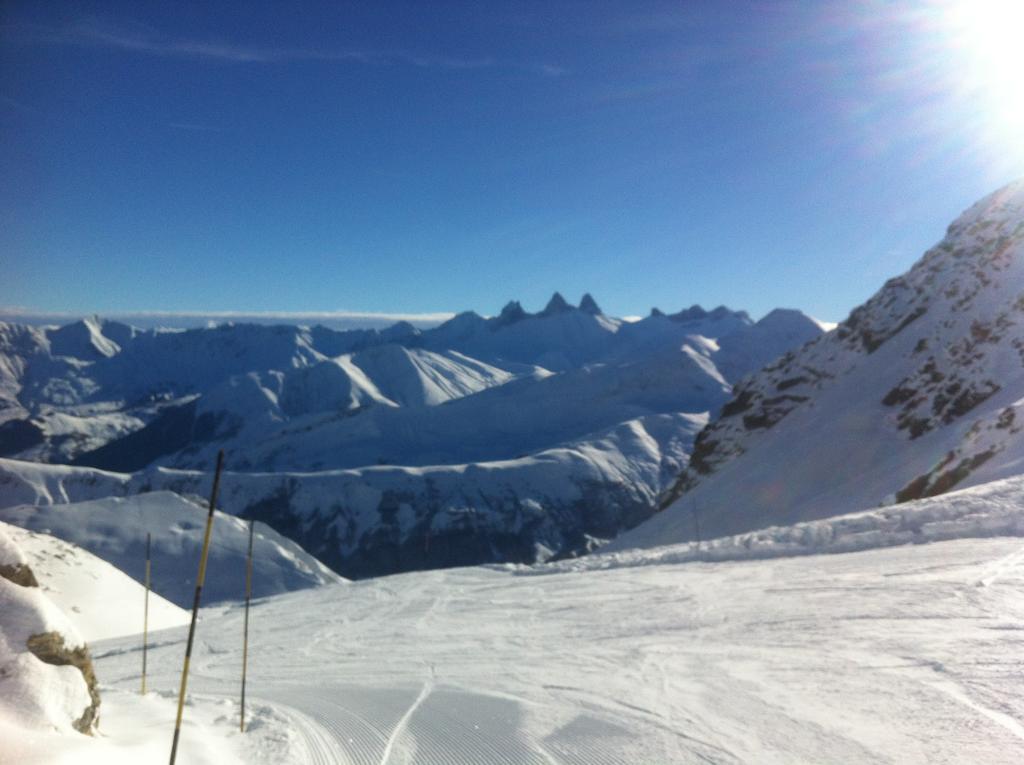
989 510
917 392
114 529
85 588
894 654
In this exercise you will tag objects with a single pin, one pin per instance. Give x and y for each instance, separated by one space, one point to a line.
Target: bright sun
990 36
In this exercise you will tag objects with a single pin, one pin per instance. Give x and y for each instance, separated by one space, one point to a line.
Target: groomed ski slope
903 654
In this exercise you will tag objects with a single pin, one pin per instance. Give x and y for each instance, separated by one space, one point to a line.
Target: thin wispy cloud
145 40
185 319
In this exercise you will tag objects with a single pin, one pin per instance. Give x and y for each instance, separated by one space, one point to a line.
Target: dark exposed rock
589 305
899 395
741 403
18 435
18 573
556 305
49 647
790 382
935 483
510 314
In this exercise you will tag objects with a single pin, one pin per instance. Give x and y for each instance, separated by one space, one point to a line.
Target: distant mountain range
517 437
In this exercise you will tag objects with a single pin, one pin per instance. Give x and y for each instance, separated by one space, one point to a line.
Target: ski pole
145 617
245 632
195 604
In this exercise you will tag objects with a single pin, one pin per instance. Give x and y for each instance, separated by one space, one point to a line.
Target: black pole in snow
245 632
145 616
195 603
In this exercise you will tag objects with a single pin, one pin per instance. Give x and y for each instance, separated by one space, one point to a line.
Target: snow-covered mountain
514 437
920 390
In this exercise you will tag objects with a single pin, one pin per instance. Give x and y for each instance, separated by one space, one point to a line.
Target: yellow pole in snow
145 617
195 604
245 633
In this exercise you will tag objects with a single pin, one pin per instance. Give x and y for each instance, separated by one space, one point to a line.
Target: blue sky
421 157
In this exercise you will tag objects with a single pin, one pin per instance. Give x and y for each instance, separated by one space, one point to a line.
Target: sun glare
990 36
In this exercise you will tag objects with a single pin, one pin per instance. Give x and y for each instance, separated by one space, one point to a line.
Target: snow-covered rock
46 675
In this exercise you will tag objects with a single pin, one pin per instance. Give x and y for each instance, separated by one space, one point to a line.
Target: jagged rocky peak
657 312
556 305
589 305
511 313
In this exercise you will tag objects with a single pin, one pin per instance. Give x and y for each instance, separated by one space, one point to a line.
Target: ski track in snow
999 718
1001 568
401 726
319 745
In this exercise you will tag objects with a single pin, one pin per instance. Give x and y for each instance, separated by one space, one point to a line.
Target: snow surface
894 653
901 655
992 509
114 529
